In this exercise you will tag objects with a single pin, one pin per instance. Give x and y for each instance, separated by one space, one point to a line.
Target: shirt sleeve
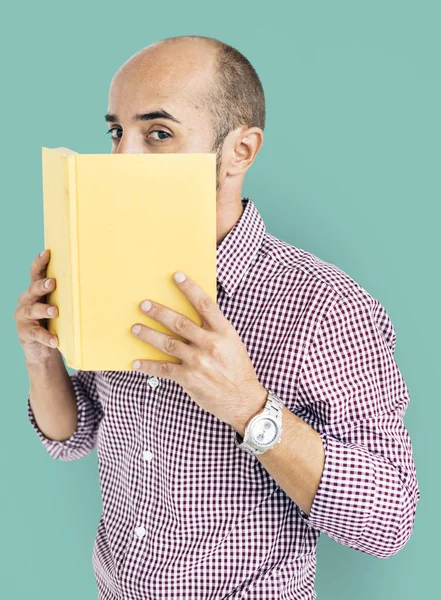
352 393
90 413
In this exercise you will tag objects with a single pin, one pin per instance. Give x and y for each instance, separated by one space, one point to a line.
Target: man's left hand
214 368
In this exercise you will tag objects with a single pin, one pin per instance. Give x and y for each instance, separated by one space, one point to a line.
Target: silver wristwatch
264 430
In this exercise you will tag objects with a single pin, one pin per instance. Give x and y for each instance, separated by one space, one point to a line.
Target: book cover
118 226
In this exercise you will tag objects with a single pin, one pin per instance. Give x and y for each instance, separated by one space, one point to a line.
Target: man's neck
227 215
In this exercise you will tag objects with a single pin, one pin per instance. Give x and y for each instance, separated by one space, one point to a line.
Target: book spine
75 260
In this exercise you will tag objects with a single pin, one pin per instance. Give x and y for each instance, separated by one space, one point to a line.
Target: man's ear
245 145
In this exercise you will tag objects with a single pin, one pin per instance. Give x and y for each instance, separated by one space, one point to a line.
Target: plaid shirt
187 514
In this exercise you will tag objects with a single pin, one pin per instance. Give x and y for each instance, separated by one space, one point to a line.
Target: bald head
180 67
184 94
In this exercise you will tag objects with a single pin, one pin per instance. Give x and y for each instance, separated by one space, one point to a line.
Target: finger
36 311
175 322
206 307
37 290
35 333
167 343
38 267
160 368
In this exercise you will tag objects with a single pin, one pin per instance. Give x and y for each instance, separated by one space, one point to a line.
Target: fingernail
42 253
179 277
47 283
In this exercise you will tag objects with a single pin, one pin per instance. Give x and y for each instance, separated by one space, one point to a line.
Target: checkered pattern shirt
188 514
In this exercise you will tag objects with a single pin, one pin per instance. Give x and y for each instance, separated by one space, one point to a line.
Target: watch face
264 432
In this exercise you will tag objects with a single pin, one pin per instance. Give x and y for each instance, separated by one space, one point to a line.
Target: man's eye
161 132
163 135
112 129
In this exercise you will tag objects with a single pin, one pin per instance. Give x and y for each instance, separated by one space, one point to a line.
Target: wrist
256 398
44 364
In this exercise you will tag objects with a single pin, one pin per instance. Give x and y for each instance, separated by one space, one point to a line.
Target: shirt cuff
345 498
82 441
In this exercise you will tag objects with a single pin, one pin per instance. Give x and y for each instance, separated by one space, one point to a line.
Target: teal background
349 170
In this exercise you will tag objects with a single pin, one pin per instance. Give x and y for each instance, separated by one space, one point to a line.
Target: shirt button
140 531
147 455
153 382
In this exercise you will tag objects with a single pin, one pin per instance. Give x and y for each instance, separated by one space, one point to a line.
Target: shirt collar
238 248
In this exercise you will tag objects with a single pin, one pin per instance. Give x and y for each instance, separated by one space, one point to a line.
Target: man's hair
236 99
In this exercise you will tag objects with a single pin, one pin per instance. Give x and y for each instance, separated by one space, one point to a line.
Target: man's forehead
162 88
177 102
179 77
137 91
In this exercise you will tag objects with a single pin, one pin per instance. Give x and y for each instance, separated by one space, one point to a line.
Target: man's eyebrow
156 114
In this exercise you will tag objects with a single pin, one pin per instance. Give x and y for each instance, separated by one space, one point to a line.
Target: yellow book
118 226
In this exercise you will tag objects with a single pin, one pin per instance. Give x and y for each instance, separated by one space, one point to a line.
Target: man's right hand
32 313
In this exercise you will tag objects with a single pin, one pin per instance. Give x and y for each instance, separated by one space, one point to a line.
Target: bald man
283 417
